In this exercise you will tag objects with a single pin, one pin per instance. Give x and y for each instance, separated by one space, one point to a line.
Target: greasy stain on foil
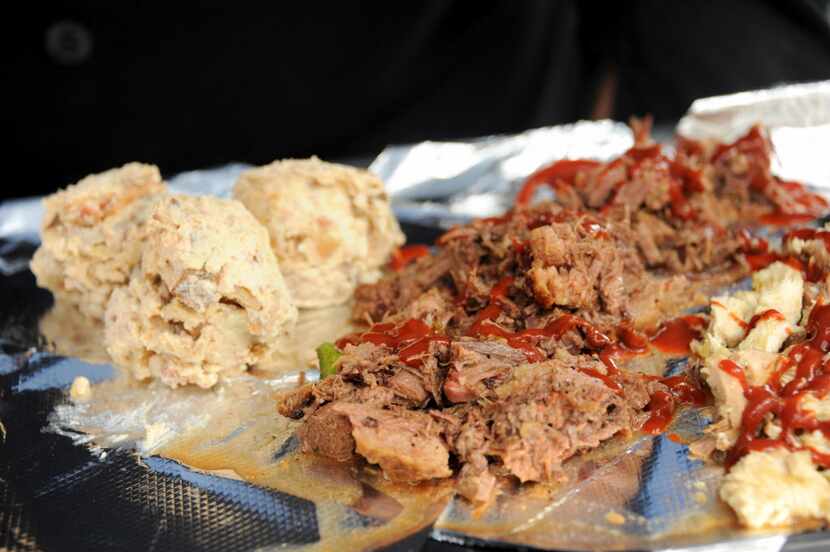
234 432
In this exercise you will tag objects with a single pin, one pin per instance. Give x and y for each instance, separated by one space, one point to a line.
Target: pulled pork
517 419
495 356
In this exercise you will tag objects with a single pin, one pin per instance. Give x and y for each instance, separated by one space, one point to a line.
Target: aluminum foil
797 116
646 494
444 183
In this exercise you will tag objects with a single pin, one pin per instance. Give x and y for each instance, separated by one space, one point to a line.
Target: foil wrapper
646 494
445 183
797 117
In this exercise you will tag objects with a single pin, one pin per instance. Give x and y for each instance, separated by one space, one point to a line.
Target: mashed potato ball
92 234
331 226
206 299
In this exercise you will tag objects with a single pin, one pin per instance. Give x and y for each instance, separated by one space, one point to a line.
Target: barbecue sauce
683 179
769 314
403 256
556 175
411 340
736 371
775 398
663 404
779 218
675 336
757 254
809 234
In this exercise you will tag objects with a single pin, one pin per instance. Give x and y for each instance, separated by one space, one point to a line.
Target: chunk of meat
327 433
652 232
476 366
392 293
466 255
405 444
549 419
573 271
409 384
539 418
432 307
632 194
306 400
603 182
476 483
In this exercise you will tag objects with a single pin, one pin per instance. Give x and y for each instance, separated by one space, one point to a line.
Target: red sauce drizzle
484 325
676 438
663 404
407 254
567 322
808 234
735 318
759 261
685 390
631 339
736 371
524 340
783 400
607 379
410 340
683 179
493 309
770 314
675 336
751 243
757 256
779 218
555 175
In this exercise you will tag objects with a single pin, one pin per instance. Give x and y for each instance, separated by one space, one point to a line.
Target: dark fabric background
91 85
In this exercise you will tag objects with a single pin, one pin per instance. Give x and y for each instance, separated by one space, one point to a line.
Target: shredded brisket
494 356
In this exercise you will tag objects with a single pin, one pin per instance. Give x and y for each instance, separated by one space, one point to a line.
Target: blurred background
92 85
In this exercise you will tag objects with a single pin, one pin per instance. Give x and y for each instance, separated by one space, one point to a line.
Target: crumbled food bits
615 518
81 389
